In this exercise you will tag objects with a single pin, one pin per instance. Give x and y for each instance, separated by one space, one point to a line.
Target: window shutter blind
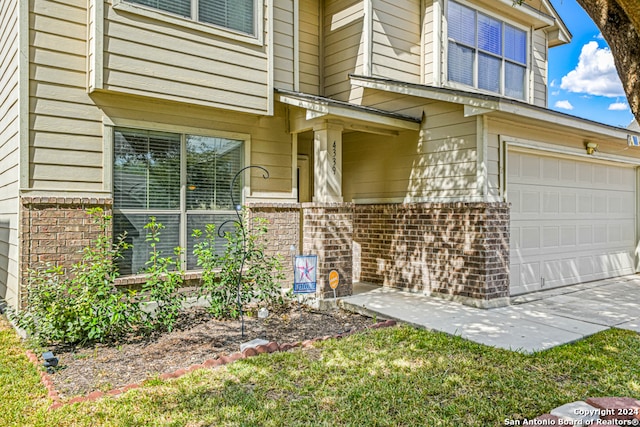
489 72
211 165
179 7
234 14
146 171
134 259
199 222
514 80
515 44
460 64
489 34
461 24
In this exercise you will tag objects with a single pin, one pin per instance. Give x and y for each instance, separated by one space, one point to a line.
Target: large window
183 180
238 15
486 53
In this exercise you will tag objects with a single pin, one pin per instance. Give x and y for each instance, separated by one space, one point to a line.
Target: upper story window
486 53
237 15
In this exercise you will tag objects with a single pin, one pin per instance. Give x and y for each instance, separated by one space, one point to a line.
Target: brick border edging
271 347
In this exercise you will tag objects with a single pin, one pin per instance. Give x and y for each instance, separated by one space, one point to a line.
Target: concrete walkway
531 323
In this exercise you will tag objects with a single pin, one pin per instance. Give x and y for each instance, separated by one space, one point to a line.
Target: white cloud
555 93
595 73
618 106
599 36
565 105
553 83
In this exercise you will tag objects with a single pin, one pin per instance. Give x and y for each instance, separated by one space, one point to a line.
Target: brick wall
328 232
453 249
283 231
55 230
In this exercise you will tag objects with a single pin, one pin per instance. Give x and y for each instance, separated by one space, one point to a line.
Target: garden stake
240 223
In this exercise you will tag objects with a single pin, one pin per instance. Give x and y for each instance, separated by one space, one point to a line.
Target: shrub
84 305
164 277
243 252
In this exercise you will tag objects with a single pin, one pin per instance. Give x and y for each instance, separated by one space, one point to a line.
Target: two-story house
408 142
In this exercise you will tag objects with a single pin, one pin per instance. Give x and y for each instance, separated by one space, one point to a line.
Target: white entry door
572 220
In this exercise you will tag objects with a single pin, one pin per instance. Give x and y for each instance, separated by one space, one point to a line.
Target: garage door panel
559 270
586 265
550 237
568 171
530 202
568 236
551 168
568 203
571 221
530 275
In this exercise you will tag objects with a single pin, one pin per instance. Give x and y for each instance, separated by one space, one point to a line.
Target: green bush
261 275
83 305
164 277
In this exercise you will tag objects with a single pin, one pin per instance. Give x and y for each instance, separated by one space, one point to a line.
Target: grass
397 377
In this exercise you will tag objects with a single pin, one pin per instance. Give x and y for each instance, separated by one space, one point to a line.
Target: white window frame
183 131
503 20
160 15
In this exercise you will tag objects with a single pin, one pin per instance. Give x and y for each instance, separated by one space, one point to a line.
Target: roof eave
477 104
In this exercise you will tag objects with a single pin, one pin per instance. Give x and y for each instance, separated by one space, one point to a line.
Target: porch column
327 172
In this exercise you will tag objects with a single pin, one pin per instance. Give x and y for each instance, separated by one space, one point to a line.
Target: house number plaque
334 153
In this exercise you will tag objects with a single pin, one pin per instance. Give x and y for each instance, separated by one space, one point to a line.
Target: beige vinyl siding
65 126
151 57
437 164
283 43
395 52
449 154
377 166
270 143
343 45
309 49
431 50
539 66
9 150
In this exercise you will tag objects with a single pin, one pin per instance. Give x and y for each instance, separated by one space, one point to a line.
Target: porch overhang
499 107
313 110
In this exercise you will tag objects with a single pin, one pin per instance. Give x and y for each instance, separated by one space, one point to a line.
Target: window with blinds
485 53
237 15
183 180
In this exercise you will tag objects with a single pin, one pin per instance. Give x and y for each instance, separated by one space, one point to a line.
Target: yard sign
305 269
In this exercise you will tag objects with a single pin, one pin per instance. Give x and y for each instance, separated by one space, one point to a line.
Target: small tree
164 277
243 255
84 305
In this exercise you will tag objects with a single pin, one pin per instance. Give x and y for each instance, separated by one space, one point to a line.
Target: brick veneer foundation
456 250
55 230
283 231
327 231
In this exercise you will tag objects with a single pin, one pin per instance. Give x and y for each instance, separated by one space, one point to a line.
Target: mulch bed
196 338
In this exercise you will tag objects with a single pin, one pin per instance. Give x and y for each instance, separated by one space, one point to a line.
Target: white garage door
571 221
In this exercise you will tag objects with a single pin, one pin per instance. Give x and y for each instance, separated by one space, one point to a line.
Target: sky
582 77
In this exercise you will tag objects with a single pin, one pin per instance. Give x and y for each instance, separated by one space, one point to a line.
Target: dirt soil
196 338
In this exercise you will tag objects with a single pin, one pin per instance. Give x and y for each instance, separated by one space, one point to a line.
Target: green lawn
397 376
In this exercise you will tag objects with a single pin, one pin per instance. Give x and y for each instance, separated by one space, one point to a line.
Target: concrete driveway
531 323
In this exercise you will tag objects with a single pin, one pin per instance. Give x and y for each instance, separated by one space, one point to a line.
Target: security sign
305 271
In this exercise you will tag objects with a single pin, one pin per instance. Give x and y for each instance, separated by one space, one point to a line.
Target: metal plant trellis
240 224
